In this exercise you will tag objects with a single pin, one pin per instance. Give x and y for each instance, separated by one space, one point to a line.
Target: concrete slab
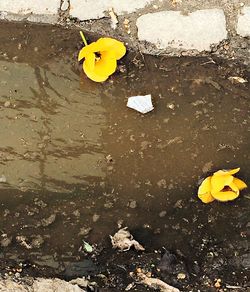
40 285
37 11
89 9
195 31
243 25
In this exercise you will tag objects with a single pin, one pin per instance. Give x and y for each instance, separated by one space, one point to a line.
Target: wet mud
76 165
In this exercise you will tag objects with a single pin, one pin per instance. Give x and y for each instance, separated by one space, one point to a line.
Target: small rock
7 103
6 241
108 205
171 106
181 276
95 217
162 183
17 275
84 231
109 159
217 283
65 5
77 213
132 204
49 220
178 204
3 179
162 214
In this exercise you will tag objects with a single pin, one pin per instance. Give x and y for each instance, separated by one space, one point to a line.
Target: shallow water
71 148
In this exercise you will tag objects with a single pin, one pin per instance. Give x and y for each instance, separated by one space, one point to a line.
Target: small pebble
3 179
96 217
162 214
181 276
132 204
84 231
7 103
6 241
171 106
217 284
65 5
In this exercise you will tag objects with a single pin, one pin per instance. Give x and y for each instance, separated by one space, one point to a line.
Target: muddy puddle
76 164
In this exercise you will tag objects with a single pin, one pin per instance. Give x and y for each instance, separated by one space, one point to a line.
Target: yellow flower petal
233 171
90 61
218 182
227 172
100 70
225 196
234 187
206 198
109 44
93 75
205 186
106 65
204 191
91 48
239 183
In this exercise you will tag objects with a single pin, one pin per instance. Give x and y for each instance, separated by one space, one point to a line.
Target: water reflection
50 130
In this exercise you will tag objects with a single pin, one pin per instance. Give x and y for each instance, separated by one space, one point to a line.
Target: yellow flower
100 58
221 186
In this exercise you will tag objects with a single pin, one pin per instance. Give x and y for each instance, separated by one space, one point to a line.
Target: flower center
97 56
226 189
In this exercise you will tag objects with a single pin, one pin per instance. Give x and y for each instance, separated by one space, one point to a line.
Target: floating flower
221 186
100 57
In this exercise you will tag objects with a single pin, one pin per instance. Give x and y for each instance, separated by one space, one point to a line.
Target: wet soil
76 165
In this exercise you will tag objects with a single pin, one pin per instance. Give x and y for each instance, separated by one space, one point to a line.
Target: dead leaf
123 240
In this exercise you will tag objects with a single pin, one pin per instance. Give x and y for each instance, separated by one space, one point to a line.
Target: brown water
59 130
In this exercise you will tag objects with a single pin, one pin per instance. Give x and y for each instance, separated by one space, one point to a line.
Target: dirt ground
76 165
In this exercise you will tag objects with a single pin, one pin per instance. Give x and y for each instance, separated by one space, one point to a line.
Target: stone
7 103
48 221
54 285
245 261
162 214
30 10
96 217
171 29
65 5
6 241
85 10
132 204
243 25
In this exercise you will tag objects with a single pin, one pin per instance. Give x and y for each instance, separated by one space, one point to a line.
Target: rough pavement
198 30
195 26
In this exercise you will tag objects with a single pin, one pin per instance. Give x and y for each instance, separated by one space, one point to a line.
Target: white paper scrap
141 103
